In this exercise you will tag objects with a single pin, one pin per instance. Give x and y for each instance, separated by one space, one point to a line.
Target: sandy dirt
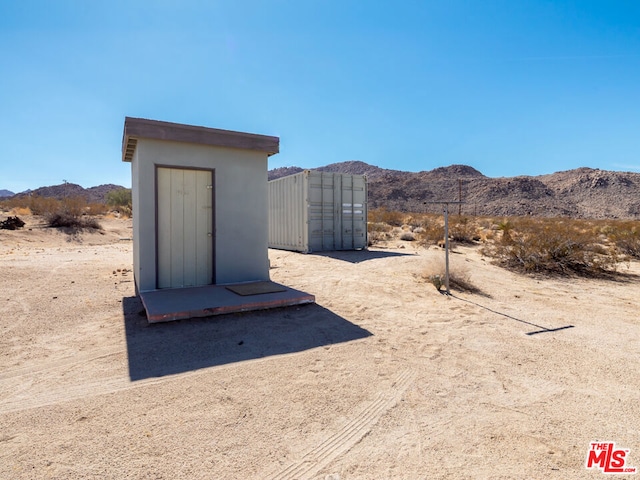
383 377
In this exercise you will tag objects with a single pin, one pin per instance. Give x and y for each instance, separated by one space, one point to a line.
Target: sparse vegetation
458 279
532 245
70 212
407 237
462 230
390 217
432 232
378 232
63 219
626 237
120 200
552 247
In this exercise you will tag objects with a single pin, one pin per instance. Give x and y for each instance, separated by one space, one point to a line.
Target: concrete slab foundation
180 303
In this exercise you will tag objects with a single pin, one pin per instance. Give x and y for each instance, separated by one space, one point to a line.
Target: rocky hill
65 190
582 193
579 193
6 193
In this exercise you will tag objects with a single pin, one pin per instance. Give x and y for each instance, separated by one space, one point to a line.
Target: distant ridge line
579 193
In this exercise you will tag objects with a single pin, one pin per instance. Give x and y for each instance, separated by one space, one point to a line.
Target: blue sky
512 87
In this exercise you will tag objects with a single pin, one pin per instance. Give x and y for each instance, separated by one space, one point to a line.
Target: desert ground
384 377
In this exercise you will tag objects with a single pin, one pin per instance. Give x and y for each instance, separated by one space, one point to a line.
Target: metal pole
446 239
446 247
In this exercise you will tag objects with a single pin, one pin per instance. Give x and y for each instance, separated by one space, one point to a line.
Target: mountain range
578 193
67 190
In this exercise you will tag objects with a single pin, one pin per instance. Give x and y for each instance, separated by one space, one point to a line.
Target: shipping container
314 211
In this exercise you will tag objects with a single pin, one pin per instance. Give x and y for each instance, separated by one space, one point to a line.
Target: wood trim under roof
136 128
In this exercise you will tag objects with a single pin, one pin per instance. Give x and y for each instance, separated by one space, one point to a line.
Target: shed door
185 227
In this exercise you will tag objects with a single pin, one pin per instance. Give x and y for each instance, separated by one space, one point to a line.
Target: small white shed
199 204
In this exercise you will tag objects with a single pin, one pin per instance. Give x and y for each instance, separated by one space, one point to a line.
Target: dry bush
61 219
625 235
431 232
419 220
24 211
378 227
552 246
458 278
31 205
407 236
382 215
96 209
377 232
7 203
462 230
4 206
376 237
69 212
125 211
43 205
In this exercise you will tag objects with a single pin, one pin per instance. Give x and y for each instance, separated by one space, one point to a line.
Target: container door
353 214
322 214
185 227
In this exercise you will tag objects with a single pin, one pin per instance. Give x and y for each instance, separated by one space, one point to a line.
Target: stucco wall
241 224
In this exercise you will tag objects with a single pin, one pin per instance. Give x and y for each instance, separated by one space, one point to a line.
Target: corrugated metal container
315 211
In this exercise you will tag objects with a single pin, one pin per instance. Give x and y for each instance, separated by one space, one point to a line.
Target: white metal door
185 227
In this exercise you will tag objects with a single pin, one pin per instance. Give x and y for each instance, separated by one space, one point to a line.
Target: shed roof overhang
136 128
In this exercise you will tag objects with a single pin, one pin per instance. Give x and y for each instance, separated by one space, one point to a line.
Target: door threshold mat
256 288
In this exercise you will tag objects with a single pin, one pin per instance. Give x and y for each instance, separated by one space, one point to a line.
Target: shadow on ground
358 256
176 347
540 328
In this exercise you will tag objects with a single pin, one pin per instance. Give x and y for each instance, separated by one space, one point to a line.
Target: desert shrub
378 227
5 205
382 215
21 211
418 220
505 227
96 209
13 203
61 219
69 212
407 236
377 232
458 279
461 230
43 205
626 237
376 237
552 246
431 232
120 200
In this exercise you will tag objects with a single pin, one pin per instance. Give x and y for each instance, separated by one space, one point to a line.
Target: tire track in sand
61 362
43 395
349 435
